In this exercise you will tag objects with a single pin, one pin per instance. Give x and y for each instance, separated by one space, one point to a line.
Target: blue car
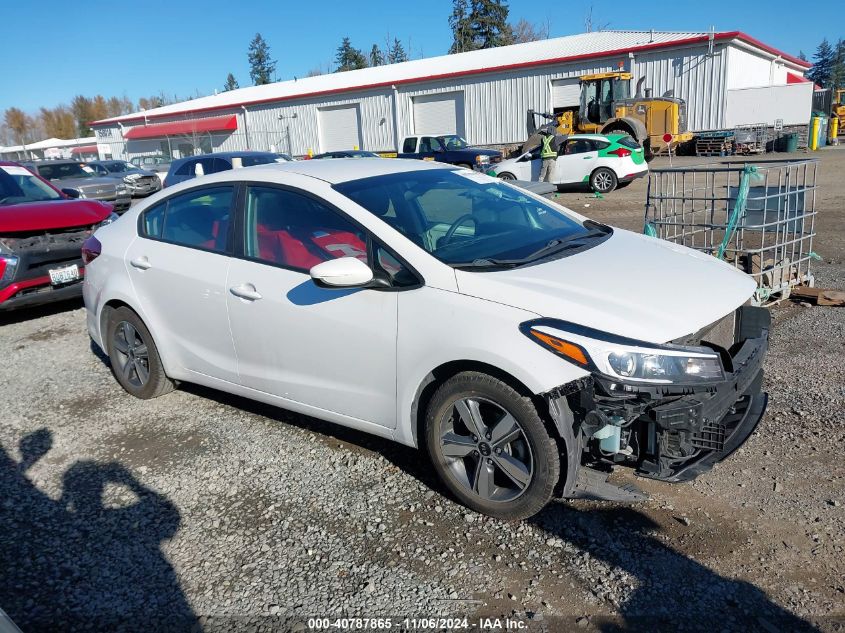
184 169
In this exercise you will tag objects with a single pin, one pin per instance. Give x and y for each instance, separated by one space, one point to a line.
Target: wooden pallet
713 147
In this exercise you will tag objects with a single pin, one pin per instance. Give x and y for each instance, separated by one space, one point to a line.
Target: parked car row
78 180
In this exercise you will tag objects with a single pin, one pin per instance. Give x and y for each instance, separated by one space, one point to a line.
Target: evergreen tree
837 69
822 68
479 24
490 24
231 83
261 67
397 53
376 56
348 57
461 24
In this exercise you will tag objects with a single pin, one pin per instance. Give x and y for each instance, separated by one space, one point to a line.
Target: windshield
18 185
63 171
453 141
119 167
466 219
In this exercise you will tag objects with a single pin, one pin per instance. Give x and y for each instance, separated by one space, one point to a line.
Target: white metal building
56 148
482 95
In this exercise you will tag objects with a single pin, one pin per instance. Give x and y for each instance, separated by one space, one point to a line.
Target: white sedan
602 161
519 343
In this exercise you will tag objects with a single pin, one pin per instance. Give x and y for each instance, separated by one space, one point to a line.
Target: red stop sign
667 138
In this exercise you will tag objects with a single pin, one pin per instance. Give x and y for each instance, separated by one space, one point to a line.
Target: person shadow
673 592
75 563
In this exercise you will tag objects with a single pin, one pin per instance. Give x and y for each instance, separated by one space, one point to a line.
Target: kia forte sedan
527 349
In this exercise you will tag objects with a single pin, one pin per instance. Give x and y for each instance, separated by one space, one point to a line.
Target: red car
41 234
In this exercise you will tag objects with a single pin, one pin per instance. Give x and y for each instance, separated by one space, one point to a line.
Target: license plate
64 275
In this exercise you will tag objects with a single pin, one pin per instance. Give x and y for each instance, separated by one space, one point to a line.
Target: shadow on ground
77 563
19 315
673 592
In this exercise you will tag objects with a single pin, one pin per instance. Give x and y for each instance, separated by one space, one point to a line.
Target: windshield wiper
557 245
487 262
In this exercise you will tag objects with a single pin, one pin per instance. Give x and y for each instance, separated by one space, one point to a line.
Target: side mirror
71 193
344 272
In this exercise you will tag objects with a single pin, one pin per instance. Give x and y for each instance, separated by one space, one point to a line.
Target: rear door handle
141 262
246 291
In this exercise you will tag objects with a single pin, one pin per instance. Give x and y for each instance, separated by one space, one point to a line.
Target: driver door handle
246 291
142 263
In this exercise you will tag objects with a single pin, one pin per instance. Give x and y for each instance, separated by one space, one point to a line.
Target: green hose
740 205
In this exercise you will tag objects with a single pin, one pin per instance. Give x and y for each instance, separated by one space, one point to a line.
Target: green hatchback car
603 161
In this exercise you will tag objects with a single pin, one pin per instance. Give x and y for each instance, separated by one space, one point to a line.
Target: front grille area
41 251
711 437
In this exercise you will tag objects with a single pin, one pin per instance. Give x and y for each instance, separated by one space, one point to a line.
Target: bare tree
592 24
525 31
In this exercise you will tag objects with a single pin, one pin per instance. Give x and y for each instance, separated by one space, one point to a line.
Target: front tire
603 180
490 447
507 176
134 357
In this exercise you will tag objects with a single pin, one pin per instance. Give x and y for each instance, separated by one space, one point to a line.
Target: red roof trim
728 35
172 128
792 78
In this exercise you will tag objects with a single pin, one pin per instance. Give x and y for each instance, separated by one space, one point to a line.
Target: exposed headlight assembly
626 359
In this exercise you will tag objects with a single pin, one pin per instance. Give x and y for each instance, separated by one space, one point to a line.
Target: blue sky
54 49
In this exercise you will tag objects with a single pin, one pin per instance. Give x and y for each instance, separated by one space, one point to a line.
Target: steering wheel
451 232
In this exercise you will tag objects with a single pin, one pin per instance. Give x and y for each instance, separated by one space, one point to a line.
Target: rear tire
603 180
507 176
134 357
490 447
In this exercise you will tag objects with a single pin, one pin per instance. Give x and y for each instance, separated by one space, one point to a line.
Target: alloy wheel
486 449
132 354
602 181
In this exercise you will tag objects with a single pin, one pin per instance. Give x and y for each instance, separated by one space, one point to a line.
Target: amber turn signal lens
564 348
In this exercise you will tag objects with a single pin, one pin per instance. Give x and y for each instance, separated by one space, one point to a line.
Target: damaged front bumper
682 432
675 432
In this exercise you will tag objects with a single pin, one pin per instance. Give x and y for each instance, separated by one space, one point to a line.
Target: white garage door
441 113
339 128
566 93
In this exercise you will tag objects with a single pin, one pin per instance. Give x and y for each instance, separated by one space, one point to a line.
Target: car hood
483 151
55 214
630 285
85 184
508 162
136 172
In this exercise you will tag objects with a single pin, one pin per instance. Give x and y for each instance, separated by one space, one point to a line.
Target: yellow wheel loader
607 108
839 109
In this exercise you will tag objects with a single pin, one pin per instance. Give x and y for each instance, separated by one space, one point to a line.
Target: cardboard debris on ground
819 296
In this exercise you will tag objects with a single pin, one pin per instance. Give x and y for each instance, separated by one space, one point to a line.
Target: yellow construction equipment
839 109
607 108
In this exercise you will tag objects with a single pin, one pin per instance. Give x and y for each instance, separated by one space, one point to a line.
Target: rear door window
199 218
410 145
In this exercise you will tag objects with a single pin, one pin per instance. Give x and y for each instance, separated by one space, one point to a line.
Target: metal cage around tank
760 217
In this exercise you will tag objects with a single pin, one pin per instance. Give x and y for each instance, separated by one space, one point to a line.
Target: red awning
176 128
85 149
792 78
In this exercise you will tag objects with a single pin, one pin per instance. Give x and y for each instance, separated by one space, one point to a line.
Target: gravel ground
204 511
